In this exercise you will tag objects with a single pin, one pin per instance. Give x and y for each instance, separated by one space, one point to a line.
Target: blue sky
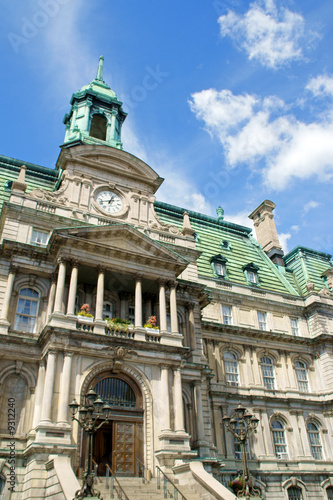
230 101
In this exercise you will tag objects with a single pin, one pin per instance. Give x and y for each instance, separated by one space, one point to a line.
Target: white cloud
295 228
309 206
271 34
283 238
241 218
260 132
321 85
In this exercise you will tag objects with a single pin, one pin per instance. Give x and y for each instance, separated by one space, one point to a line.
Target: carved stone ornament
324 292
55 197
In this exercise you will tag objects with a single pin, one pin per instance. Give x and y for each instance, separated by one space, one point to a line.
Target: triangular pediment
120 239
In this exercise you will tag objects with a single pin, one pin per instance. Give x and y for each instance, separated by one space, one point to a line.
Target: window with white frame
302 376
294 493
227 315
26 311
251 273
218 263
315 441
294 326
230 368
329 493
107 310
39 237
262 320
267 368
279 439
252 276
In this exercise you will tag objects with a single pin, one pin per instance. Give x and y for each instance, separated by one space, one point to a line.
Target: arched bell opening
98 127
119 443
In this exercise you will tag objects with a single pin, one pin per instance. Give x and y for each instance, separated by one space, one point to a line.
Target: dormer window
251 273
218 263
225 245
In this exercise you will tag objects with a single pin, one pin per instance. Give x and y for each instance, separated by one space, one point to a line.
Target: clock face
109 202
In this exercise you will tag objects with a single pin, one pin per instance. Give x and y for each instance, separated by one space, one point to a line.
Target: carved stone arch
316 420
23 371
147 399
304 358
327 483
235 349
294 481
31 281
279 416
270 353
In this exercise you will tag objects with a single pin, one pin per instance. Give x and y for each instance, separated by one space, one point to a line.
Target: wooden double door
118 444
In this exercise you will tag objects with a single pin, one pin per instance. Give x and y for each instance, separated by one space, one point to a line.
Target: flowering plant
236 484
85 311
151 323
118 324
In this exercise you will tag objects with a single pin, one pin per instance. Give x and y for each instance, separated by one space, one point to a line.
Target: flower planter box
152 330
85 319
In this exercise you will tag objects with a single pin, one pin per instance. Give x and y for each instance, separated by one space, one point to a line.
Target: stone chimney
263 220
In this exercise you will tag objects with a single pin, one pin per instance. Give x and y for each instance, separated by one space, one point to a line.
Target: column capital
101 269
161 281
53 352
53 277
138 277
62 260
196 383
189 304
172 283
13 268
74 263
68 354
164 366
42 363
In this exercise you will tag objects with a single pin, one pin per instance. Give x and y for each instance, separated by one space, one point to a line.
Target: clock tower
96 115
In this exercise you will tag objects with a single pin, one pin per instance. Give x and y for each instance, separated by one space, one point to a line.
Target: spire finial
220 213
99 75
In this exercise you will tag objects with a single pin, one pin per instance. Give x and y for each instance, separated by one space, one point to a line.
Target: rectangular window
252 277
294 326
219 269
39 237
131 314
227 315
262 321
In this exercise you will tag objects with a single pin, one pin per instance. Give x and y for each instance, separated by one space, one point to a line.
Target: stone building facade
238 322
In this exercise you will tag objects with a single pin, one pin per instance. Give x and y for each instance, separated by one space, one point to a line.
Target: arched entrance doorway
118 443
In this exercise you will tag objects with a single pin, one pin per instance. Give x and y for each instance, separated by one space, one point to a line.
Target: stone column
39 394
64 389
148 306
178 401
256 369
292 374
173 308
267 435
60 286
190 308
164 399
198 410
72 288
260 437
100 294
220 443
8 292
52 293
138 301
285 382
48 387
162 306
114 113
123 304
248 367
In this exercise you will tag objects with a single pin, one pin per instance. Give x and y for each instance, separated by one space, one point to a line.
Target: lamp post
92 415
242 424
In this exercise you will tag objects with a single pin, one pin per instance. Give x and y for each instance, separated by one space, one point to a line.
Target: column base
53 434
175 339
4 326
171 440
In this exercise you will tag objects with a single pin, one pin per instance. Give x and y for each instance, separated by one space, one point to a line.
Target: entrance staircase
135 489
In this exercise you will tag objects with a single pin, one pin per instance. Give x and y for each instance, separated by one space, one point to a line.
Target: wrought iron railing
142 469
112 483
177 494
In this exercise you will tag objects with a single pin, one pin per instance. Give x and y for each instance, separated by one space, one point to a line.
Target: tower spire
99 75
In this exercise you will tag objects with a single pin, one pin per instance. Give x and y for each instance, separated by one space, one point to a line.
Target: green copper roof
234 243
308 266
36 176
98 85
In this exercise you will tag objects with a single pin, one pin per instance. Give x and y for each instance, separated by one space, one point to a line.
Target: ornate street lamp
242 424
92 415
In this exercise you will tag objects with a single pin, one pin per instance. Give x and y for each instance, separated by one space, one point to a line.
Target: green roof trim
290 254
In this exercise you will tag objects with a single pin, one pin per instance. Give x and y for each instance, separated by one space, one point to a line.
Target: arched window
26 311
14 387
329 493
279 439
98 127
267 368
116 392
315 441
295 493
108 310
302 376
230 368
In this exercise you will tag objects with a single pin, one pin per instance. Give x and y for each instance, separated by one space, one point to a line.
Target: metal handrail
166 479
144 470
120 491
95 470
